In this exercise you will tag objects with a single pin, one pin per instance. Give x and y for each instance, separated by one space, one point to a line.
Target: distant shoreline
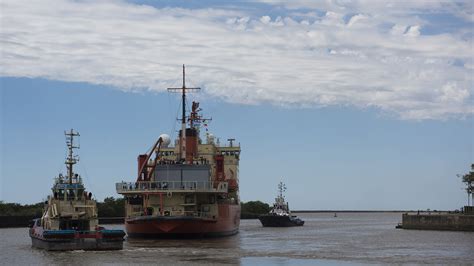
363 211
24 220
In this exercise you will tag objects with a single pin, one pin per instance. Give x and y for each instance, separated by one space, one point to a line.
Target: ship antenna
71 159
281 189
182 142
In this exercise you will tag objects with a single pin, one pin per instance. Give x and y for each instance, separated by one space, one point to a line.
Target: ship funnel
166 140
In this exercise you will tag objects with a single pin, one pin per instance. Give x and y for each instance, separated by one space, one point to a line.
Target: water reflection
222 250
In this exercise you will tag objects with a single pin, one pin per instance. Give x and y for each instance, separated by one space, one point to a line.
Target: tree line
115 207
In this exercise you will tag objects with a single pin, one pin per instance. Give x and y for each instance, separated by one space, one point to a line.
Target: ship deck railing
171 186
197 214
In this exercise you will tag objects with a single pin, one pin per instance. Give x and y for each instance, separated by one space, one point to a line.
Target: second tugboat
187 190
69 221
280 215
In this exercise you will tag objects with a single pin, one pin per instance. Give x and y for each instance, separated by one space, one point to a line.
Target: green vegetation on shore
252 209
16 209
468 179
112 207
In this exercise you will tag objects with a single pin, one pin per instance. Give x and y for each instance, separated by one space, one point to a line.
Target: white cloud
356 19
246 59
450 92
398 29
413 31
333 19
265 19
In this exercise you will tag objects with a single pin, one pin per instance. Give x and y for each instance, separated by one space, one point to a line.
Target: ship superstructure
280 207
185 189
70 219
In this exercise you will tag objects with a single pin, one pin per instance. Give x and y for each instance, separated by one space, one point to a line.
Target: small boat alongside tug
280 214
70 220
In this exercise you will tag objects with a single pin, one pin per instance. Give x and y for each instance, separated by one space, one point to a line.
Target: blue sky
354 105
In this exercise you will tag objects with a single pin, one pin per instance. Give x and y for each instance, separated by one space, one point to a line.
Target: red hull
168 226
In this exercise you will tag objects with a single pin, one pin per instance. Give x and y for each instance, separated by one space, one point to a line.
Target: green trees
111 207
252 209
469 180
16 209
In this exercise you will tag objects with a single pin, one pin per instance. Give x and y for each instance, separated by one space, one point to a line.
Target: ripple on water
349 239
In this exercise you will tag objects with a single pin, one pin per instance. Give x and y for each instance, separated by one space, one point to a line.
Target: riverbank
353 211
24 220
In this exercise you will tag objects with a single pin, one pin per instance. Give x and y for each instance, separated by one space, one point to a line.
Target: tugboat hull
77 244
279 221
59 240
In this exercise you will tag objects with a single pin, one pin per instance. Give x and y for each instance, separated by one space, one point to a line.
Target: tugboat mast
182 142
71 159
281 189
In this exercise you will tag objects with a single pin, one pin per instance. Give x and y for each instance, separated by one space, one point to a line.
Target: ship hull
185 227
279 221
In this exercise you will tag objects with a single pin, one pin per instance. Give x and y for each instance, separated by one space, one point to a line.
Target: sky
353 104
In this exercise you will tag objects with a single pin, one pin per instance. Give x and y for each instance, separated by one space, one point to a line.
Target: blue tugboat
69 220
280 215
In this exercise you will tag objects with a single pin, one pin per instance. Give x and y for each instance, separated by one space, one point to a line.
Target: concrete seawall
449 222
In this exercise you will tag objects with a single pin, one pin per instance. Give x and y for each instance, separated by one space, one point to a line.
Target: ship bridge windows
70 194
166 153
81 225
80 194
230 153
59 194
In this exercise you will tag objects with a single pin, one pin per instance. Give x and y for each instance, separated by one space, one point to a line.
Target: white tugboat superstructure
70 219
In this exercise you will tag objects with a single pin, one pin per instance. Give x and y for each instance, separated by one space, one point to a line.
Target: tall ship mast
186 189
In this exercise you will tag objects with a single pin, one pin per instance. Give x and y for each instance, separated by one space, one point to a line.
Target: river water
349 239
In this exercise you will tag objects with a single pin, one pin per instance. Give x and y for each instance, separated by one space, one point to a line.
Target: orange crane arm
155 162
157 143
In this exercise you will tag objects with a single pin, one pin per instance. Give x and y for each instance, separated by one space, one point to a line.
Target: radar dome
166 140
